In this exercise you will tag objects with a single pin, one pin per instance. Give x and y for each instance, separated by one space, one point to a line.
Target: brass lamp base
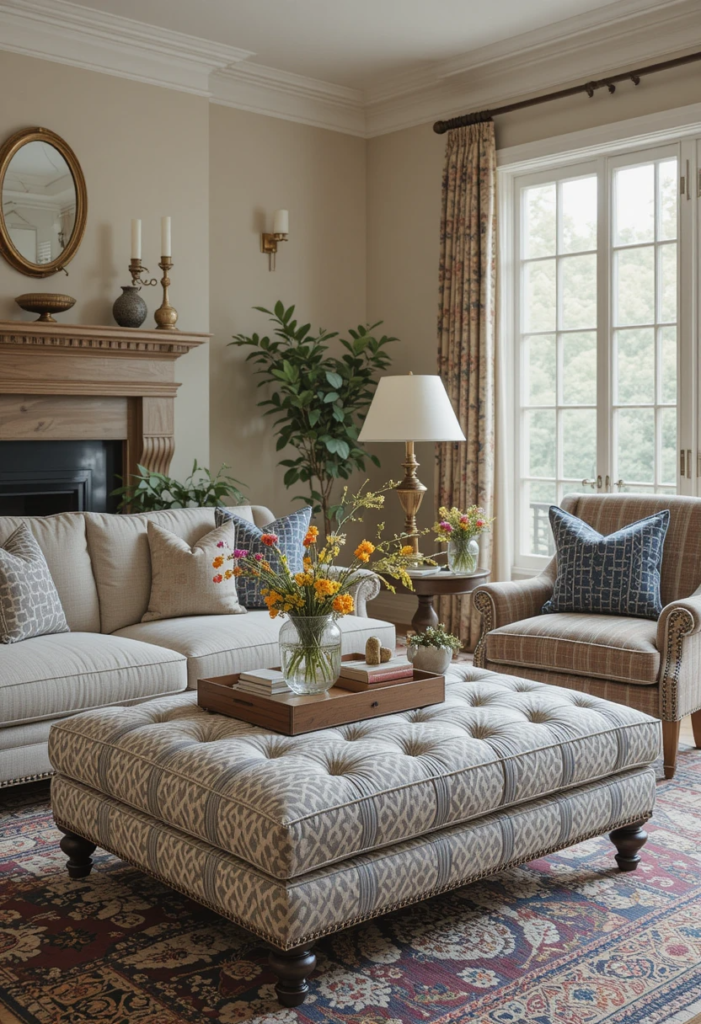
411 492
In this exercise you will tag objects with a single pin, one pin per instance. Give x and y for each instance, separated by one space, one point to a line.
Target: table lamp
411 408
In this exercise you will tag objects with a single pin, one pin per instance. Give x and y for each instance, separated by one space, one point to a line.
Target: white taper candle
135 239
165 237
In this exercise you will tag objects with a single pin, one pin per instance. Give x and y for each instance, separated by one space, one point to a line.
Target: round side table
428 587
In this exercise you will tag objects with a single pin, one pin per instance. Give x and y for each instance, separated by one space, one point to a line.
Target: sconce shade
411 408
281 222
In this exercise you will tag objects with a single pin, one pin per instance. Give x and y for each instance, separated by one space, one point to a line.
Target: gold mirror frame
7 151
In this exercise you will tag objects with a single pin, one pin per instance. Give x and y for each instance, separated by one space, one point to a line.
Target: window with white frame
597 346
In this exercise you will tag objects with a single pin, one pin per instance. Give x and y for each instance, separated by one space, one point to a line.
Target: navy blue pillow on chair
291 531
614 575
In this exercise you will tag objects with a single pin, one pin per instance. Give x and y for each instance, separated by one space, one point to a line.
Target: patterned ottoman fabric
292 805
293 911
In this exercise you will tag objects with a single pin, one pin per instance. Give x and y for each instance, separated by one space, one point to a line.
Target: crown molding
622 34
67 33
264 90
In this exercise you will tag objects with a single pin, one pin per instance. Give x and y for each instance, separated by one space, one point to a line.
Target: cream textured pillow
181 576
29 602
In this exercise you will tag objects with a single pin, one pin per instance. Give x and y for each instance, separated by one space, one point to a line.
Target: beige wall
144 153
257 165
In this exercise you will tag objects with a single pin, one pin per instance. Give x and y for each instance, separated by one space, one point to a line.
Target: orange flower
218 562
238 571
269 539
325 588
307 564
312 534
343 604
364 550
218 578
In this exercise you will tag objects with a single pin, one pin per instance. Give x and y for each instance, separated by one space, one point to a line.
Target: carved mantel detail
66 382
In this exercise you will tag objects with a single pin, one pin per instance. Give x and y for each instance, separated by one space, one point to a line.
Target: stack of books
358 675
265 682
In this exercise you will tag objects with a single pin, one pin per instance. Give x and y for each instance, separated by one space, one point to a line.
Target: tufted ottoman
297 837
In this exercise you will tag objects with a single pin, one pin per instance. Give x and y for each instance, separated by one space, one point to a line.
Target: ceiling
351 44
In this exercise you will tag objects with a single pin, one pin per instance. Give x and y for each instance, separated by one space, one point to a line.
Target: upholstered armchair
652 666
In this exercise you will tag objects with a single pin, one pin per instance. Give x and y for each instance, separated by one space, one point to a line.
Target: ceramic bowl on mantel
45 303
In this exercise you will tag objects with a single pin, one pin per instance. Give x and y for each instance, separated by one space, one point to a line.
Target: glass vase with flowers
314 599
460 530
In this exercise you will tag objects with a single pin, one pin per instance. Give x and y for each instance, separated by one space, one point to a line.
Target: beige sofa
102 570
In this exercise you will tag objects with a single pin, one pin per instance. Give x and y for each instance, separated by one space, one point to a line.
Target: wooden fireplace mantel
74 382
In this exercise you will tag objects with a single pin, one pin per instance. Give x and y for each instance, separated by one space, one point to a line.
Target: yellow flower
407 549
325 588
364 550
343 604
304 579
307 562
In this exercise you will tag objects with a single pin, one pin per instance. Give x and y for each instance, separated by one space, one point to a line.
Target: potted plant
150 491
460 531
433 650
312 600
318 399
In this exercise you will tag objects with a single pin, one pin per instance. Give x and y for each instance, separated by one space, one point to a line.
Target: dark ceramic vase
130 309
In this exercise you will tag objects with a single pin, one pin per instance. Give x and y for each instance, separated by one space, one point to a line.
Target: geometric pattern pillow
290 530
29 602
614 575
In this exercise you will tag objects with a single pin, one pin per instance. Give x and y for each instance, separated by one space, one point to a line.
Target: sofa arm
679 643
365 587
501 603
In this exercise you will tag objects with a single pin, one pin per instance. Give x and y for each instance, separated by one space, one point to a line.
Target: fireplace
41 478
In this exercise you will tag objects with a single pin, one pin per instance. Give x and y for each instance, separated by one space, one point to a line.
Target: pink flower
220 544
240 553
446 527
258 557
479 522
464 519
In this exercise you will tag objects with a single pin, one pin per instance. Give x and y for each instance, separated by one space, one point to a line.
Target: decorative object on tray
310 643
409 409
375 653
45 303
460 531
358 674
433 650
263 681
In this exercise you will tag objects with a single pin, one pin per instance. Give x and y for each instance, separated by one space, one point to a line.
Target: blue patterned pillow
614 575
291 531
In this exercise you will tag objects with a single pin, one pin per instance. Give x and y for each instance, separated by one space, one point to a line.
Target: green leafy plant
435 636
150 492
318 399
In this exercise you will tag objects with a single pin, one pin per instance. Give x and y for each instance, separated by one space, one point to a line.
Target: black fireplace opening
41 478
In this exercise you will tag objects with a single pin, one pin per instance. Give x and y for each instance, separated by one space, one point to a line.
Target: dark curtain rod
441 127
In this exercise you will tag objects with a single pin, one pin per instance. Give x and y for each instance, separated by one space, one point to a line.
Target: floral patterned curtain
467 338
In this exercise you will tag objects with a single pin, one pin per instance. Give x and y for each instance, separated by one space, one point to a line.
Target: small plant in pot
433 650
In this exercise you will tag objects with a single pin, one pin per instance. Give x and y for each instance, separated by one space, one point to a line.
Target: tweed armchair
652 666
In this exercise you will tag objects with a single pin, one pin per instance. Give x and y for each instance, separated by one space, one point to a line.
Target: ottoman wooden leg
292 967
78 851
628 840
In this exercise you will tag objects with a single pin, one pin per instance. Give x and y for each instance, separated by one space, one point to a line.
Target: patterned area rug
563 940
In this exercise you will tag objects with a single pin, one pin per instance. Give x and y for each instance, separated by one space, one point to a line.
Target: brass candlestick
166 316
411 492
136 269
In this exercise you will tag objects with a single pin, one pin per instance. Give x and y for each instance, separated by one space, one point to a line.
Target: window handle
591 483
688 463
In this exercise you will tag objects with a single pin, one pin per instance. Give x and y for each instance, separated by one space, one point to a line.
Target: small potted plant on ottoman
432 650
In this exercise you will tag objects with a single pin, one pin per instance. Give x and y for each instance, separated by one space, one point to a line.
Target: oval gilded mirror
43 202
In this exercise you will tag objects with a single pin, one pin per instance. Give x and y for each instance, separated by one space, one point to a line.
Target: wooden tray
292 713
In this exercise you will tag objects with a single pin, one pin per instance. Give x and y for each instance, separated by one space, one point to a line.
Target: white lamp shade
411 408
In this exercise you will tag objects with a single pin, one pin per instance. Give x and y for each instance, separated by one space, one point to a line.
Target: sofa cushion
182 576
618 574
63 542
291 804
29 602
600 646
216 645
69 672
290 532
121 559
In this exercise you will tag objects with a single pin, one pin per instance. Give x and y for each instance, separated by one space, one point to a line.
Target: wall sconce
269 240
